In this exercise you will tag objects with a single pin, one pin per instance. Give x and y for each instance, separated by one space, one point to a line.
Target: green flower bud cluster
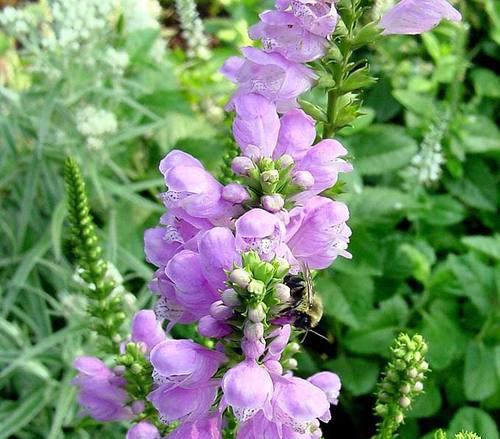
440 434
103 289
270 183
137 371
252 286
341 77
401 384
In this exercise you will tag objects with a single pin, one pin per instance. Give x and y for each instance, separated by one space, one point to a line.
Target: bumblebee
306 306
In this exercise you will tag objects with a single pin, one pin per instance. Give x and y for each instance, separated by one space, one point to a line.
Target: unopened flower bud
303 179
405 402
256 287
230 298
119 370
286 160
271 176
291 363
253 331
405 388
240 277
418 387
282 293
241 165
412 373
399 417
138 407
381 409
257 314
281 266
424 365
293 347
272 203
219 311
136 368
235 193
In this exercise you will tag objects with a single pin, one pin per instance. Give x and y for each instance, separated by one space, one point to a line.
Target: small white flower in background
15 21
95 124
426 165
141 14
192 29
75 22
118 60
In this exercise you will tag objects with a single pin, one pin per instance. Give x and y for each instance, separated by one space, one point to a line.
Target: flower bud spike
401 383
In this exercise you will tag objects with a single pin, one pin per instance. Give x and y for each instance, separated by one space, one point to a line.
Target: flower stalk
105 297
402 382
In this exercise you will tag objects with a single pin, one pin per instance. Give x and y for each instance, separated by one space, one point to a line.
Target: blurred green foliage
426 254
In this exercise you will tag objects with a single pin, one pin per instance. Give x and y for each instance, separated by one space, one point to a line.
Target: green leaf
478 187
480 378
474 419
358 375
486 83
381 149
487 245
439 330
377 205
347 298
25 411
479 134
476 279
443 210
421 104
379 329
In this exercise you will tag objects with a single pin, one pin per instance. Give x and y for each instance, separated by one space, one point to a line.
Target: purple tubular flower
235 193
261 231
280 338
168 307
323 162
256 125
143 430
210 327
317 16
101 392
283 33
329 383
146 329
192 289
205 428
270 75
298 403
185 404
217 252
413 17
296 135
160 244
192 188
239 393
185 363
259 427
318 233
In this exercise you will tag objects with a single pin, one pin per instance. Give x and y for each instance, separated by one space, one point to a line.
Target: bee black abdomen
297 286
302 321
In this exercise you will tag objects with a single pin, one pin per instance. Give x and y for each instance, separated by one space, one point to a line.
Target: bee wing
306 272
